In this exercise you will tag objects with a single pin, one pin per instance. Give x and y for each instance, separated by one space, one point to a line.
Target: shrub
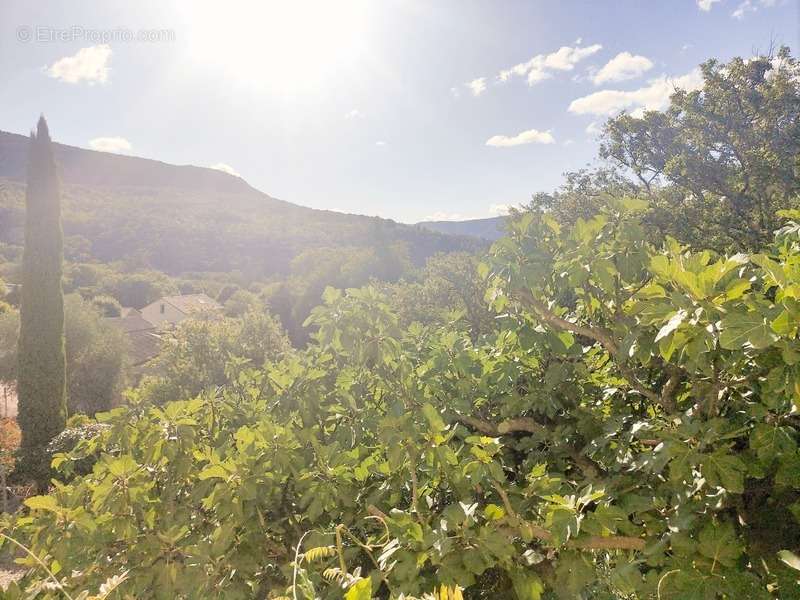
196 356
630 432
108 306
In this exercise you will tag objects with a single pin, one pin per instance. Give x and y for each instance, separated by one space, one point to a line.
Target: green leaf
123 466
788 473
48 503
213 471
774 269
527 585
770 441
360 590
473 562
493 512
720 544
433 417
724 470
331 295
742 329
671 325
633 204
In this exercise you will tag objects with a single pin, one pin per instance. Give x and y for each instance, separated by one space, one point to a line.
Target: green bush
196 355
107 305
96 356
629 432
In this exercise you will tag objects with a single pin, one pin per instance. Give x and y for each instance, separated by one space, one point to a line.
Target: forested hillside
178 219
487 229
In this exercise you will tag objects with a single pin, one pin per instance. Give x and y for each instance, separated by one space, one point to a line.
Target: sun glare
287 46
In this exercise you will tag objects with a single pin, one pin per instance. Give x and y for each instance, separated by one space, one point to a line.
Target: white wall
170 315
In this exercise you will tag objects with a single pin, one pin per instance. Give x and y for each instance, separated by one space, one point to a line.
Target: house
144 342
171 310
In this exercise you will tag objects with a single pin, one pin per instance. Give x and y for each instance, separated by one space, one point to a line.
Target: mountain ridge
492 228
117 170
179 218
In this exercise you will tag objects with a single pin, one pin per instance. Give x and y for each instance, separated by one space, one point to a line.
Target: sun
286 46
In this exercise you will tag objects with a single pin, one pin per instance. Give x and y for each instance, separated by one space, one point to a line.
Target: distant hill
78 166
185 218
487 229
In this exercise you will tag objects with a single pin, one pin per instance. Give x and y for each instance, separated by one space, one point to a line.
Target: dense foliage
630 430
448 291
715 167
607 407
96 358
41 377
96 354
200 353
175 230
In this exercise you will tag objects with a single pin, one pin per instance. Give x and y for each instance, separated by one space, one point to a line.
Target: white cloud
542 66
494 210
445 216
380 143
568 142
354 114
225 169
623 66
654 96
594 129
531 136
116 145
88 64
477 86
705 5
499 209
751 6
455 92
744 8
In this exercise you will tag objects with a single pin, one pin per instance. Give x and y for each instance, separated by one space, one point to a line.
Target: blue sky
404 109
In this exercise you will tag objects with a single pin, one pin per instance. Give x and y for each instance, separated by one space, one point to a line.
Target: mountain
78 166
178 219
488 229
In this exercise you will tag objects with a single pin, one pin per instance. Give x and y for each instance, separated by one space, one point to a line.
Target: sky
410 110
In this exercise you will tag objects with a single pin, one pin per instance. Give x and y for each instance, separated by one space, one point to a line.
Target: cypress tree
42 362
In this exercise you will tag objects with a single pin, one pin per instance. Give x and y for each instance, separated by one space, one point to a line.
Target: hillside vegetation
605 405
179 219
488 229
136 229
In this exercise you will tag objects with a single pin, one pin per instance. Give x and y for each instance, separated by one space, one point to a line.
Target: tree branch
670 388
605 339
602 336
590 468
592 542
503 428
526 528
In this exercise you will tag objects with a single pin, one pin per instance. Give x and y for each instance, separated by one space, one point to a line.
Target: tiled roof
189 303
144 345
132 323
143 341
